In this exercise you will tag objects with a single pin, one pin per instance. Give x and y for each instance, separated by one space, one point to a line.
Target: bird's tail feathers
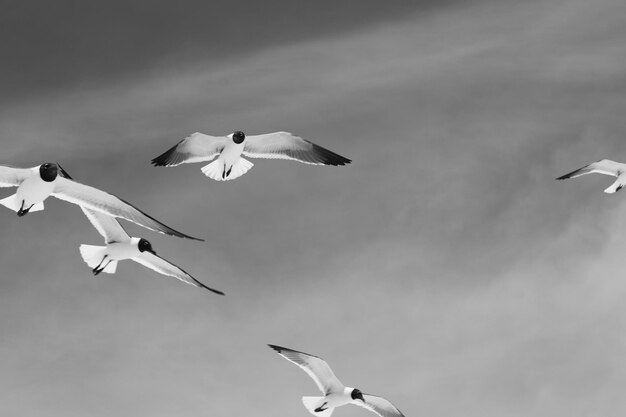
313 403
93 256
111 267
13 203
216 171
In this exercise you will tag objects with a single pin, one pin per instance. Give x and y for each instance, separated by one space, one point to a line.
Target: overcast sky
444 269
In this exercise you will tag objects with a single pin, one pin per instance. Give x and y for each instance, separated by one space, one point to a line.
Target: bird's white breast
337 399
34 190
119 251
231 153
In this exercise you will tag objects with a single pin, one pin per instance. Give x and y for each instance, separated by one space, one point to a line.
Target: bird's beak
152 251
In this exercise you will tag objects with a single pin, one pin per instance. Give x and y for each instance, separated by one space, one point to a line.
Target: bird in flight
120 246
335 393
228 149
606 167
36 184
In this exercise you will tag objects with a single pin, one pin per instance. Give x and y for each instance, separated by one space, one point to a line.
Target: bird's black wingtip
159 161
218 292
181 235
328 157
278 349
571 174
64 173
281 349
564 177
213 290
201 285
167 158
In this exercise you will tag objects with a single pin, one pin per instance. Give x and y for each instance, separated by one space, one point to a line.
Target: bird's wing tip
184 236
215 291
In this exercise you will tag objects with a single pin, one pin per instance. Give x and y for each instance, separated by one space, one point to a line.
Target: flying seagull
120 246
36 184
230 165
335 393
606 167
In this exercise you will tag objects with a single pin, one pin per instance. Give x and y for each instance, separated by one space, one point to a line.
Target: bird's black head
48 171
145 246
357 395
238 137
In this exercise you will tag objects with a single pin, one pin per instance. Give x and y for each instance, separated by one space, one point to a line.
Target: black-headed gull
335 393
120 246
230 165
36 184
606 167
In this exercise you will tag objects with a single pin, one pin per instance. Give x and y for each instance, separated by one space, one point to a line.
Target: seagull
230 165
120 246
36 184
335 393
606 167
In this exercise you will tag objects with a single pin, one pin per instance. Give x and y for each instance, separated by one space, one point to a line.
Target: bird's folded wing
160 265
605 167
197 147
13 177
284 145
379 405
97 200
110 229
316 367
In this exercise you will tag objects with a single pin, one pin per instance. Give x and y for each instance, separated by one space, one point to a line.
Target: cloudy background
444 269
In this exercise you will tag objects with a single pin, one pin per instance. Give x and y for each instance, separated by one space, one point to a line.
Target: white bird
36 184
230 165
120 246
606 167
335 393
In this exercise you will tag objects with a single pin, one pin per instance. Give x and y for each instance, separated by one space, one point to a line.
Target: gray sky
444 269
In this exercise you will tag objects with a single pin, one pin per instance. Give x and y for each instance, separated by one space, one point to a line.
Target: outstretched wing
378 405
100 201
316 367
110 229
195 148
605 167
284 145
13 177
164 267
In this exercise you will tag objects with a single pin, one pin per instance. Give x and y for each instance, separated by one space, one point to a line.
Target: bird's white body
325 405
229 150
335 393
229 165
34 190
231 154
119 251
107 257
36 184
120 246
604 167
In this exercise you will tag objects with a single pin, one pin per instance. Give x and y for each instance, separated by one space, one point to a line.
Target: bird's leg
321 408
224 172
97 269
229 169
22 211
